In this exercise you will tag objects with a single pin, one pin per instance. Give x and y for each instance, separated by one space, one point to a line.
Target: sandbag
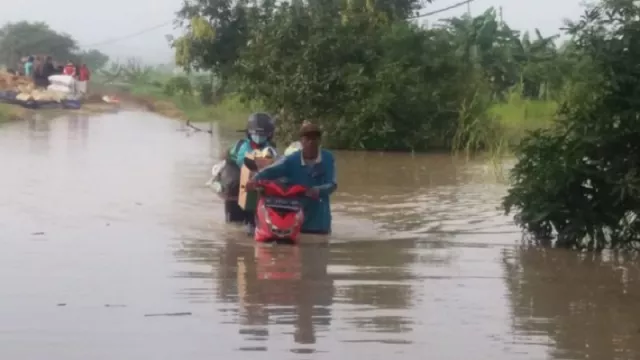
24 97
63 80
60 88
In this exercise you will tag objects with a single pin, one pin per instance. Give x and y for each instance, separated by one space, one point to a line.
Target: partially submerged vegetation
577 183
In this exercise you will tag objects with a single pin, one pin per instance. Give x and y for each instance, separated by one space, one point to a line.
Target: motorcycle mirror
250 164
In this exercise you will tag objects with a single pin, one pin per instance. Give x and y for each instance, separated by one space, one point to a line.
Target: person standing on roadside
39 79
69 69
28 66
83 78
47 70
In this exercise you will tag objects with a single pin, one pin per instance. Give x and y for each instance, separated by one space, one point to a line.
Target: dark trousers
235 214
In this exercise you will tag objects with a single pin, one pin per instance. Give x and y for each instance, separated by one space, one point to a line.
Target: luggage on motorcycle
225 175
223 178
248 200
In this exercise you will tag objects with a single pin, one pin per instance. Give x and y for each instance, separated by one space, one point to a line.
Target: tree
216 33
578 183
360 75
24 38
94 59
372 77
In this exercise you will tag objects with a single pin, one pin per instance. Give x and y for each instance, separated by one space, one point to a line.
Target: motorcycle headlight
298 217
265 214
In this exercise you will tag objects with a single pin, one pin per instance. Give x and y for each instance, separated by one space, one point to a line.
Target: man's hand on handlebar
313 193
251 185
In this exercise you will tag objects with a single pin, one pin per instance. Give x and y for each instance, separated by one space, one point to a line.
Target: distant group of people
39 69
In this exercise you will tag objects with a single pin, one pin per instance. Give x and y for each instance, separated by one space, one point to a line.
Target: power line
126 37
104 42
458 4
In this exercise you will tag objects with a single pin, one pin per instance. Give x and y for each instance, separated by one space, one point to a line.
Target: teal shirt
28 66
321 175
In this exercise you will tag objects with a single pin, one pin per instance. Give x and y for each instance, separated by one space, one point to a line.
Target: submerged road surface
112 248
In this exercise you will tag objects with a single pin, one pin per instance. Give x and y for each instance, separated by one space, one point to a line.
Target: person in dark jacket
42 72
259 132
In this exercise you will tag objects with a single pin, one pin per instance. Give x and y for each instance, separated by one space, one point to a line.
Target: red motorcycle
279 214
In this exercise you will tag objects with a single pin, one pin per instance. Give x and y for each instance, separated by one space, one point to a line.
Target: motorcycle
279 212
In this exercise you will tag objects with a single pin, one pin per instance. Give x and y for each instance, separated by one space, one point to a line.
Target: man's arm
328 188
274 171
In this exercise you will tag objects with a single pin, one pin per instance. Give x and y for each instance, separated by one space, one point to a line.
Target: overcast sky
91 21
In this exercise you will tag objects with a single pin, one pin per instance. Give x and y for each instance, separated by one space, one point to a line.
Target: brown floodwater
113 248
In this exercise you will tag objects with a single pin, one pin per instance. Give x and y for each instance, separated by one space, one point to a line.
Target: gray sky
93 22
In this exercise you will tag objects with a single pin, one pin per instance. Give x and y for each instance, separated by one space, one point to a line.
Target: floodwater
113 248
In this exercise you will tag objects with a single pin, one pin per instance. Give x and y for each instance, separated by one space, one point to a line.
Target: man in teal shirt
314 168
28 66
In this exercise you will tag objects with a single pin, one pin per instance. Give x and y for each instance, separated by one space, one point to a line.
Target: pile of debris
24 90
10 81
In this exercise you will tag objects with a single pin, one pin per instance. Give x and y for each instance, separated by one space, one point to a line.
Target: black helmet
260 124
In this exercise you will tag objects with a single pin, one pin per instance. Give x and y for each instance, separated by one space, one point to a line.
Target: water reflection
585 303
283 287
39 134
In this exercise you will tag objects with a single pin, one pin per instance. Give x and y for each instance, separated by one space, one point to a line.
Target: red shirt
84 74
69 70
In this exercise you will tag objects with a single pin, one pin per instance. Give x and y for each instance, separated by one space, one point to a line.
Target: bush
370 83
578 183
178 85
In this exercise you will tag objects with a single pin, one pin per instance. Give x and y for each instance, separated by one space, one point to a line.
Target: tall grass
498 127
517 116
174 95
230 112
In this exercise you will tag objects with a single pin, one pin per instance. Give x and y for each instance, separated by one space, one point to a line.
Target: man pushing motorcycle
312 167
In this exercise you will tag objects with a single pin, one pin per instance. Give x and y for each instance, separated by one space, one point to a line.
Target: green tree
372 83
579 182
24 38
216 31
94 59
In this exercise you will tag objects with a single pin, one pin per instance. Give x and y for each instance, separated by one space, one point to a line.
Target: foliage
372 78
204 85
579 181
178 85
23 38
334 85
93 58
132 71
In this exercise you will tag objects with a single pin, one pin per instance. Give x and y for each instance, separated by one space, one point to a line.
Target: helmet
260 124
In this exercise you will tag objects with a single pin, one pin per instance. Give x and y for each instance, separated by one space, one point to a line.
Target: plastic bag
225 179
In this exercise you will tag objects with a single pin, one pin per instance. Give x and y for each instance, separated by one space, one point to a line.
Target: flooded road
113 248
